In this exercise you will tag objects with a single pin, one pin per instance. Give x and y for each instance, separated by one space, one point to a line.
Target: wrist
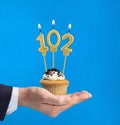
22 96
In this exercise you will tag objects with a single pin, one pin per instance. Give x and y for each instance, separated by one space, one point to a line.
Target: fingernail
90 95
84 91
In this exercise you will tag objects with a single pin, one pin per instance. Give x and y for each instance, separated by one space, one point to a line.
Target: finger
80 96
58 100
49 98
77 97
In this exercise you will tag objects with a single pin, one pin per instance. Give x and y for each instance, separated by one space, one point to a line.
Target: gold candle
53 48
65 48
43 49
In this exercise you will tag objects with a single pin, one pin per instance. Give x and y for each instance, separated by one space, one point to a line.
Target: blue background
94 64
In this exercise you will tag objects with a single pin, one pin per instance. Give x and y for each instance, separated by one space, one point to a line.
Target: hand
43 101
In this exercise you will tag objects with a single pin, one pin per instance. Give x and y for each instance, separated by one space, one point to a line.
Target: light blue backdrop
94 64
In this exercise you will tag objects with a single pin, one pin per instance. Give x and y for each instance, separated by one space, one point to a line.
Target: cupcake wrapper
56 89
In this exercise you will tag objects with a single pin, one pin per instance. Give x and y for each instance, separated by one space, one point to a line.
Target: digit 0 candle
53 48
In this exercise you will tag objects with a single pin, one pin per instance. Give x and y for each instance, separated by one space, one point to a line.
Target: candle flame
39 26
69 26
53 22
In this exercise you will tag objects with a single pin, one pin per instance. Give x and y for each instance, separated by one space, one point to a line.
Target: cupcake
54 81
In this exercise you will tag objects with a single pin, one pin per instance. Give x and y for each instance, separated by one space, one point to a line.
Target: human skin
43 101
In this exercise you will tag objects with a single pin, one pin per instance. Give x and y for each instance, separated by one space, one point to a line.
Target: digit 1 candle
43 49
65 48
53 48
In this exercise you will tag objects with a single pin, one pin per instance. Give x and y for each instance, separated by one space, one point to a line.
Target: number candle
65 48
43 49
53 48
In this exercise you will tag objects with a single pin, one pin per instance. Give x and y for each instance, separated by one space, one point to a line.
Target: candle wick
40 30
53 26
